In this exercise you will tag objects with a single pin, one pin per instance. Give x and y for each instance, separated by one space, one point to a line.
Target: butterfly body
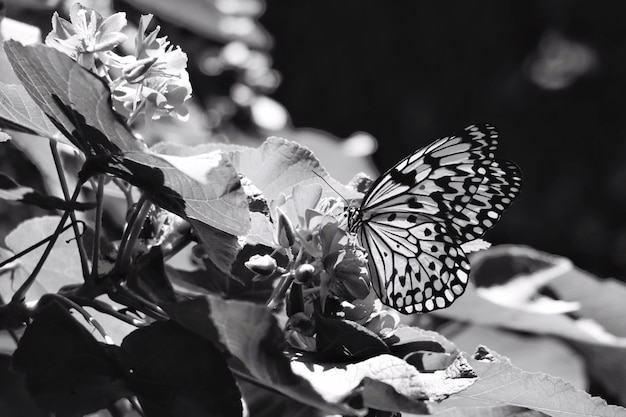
415 217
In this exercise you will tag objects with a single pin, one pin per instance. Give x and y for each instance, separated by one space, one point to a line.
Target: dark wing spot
428 232
391 217
404 178
412 203
434 248
412 218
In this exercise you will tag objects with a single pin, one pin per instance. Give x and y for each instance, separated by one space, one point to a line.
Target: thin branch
105 308
88 317
131 234
84 263
95 257
32 247
20 294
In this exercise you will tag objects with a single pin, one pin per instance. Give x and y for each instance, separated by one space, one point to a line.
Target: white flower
88 37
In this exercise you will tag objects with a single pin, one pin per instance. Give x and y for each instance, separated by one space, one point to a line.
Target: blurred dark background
549 74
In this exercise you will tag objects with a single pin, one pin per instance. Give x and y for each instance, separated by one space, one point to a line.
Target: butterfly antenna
332 188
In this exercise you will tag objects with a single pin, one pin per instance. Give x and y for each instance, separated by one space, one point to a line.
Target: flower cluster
326 275
151 82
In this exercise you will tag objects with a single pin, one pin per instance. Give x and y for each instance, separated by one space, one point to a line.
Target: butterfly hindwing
416 215
415 266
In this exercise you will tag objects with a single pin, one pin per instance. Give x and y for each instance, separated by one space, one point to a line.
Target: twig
131 234
88 317
79 241
32 247
20 294
98 229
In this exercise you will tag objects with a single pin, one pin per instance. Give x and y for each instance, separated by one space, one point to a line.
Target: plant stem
280 291
84 263
131 234
178 245
31 248
95 257
88 317
20 294
105 308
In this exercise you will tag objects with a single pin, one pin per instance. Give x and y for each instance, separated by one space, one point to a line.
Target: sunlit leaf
19 112
205 188
63 264
500 383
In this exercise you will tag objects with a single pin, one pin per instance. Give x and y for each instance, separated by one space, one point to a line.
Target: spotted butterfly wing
415 217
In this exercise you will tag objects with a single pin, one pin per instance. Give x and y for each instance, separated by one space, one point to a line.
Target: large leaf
251 334
389 383
178 373
596 331
500 383
63 264
66 370
203 187
19 112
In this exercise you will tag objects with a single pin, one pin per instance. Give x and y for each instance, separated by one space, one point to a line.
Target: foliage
234 276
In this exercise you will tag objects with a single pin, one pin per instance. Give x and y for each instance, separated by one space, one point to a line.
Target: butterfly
414 218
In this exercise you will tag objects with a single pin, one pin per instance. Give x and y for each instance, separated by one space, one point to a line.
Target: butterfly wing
415 265
441 196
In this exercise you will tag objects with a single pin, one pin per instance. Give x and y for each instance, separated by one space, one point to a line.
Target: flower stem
20 294
95 257
280 291
84 263
88 317
131 234
31 248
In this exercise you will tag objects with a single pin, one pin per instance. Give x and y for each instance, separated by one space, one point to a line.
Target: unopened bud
305 273
135 72
263 265
286 234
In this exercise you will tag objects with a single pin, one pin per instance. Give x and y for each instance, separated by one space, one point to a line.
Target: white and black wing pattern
414 263
415 217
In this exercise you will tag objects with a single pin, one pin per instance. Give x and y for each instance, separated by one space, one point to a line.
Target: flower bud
286 234
305 273
136 72
263 265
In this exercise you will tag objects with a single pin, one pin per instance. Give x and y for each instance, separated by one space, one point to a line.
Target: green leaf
19 112
66 370
344 340
205 188
12 191
500 383
387 382
62 266
251 334
178 373
77 101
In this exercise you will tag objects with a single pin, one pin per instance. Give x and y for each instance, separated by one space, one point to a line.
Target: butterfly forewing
415 217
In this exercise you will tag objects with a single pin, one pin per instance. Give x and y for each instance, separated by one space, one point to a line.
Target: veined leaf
501 383
19 112
204 188
62 266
